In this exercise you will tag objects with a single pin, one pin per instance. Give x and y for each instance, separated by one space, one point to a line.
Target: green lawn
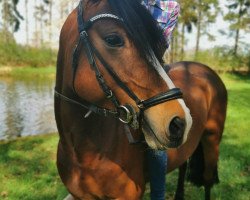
28 171
234 164
28 71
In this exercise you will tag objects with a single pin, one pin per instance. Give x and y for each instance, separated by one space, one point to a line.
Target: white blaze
171 85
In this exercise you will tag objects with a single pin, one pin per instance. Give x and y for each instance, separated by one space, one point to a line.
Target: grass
234 164
221 59
27 72
28 170
13 54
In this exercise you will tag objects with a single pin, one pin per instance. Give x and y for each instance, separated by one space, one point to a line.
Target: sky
191 38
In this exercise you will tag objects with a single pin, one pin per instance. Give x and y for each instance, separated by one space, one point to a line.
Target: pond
26 107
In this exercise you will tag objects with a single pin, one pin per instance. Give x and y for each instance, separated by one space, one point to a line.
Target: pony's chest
104 180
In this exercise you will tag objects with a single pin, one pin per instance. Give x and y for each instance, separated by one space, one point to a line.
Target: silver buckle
84 34
128 115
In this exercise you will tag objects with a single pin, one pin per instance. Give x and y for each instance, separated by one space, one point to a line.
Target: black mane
142 28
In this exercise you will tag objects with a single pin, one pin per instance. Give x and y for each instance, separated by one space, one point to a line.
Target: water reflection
26 107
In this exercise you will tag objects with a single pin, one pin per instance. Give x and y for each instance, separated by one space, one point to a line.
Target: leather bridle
125 113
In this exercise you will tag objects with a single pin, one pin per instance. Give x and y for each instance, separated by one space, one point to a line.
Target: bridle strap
172 94
91 50
116 77
82 28
89 106
131 117
92 62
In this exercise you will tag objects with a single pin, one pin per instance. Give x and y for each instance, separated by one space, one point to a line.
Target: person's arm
166 13
172 9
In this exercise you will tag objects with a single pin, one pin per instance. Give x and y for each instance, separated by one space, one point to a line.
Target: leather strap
131 117
89 106
172 94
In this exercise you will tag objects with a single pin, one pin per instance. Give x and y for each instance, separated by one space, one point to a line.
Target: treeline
45 18
41 21
197 16
203 13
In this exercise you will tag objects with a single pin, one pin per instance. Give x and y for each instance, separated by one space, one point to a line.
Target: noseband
125 113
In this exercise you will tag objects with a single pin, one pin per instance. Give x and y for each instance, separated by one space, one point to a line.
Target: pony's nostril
176 128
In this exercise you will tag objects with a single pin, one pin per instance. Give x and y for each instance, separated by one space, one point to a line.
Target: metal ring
110 95
84 34
129 116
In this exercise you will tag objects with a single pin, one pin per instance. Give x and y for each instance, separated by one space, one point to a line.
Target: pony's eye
114 40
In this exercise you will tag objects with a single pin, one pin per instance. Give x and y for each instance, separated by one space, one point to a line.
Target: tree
10 18
48 21
64 8
10 15
41 17
207 11
27 22
239 17
187 20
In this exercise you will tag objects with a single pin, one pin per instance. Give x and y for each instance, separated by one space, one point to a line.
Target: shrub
13 54
222 59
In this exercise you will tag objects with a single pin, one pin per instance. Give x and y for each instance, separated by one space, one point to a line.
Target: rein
125 113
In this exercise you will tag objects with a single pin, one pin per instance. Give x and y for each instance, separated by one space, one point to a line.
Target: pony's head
127 51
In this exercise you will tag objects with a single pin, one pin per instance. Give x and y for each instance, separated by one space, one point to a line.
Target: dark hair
142 28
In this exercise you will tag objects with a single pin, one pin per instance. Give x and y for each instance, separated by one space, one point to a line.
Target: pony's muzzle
176 131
